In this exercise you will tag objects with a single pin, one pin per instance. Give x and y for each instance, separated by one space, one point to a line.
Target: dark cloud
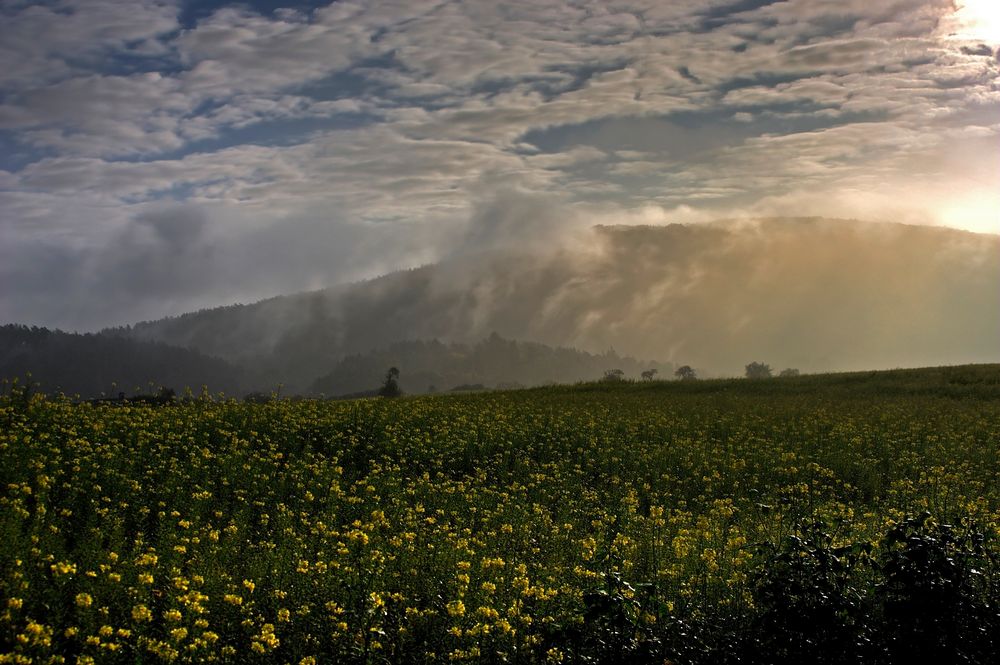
978 49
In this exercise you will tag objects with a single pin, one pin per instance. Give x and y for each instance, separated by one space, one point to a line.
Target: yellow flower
141 613
84 600
456 608
63 568
147 560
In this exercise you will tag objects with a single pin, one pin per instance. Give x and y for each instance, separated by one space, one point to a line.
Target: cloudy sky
158 156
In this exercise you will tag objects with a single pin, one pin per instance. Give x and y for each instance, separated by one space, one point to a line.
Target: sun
978 20
978 210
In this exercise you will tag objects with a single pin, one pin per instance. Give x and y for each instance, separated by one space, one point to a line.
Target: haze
158 157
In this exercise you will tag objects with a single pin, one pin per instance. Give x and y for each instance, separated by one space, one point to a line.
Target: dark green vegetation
492 362
89 365
106 363
821 519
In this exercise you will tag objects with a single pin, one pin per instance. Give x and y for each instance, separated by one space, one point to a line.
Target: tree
649 374
613 375
791 371
685 373
390 387
756 370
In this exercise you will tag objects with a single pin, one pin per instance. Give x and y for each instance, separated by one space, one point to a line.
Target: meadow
832 518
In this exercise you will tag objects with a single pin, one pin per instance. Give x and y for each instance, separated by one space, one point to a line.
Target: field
703 521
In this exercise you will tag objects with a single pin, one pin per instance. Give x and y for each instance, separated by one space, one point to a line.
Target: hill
89 365
816 294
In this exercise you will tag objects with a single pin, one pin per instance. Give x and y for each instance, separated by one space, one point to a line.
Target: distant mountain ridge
813 293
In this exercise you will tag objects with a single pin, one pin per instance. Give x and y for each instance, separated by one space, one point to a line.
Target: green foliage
809 605
940 593
613 626
927 593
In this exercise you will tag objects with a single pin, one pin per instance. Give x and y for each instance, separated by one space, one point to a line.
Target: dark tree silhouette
613 375
791 371
390 387
685 373
649 374
757 370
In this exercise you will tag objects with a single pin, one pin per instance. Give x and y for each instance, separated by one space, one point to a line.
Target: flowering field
664 521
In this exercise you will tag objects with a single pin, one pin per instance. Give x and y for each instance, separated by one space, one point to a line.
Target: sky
161 156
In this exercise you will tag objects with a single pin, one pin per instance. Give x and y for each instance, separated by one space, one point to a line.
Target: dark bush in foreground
930 593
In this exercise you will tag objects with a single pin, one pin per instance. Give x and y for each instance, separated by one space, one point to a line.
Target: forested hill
817 294
91 365
429 366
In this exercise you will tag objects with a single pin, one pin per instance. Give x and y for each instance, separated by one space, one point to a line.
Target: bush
937 599
810 606
930 596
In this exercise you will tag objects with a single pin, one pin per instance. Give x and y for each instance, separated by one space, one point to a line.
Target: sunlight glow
978 20
979 212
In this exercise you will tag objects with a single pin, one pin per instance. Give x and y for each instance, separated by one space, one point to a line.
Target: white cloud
410 112
46 42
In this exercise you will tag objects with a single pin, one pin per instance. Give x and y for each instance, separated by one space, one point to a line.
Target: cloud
427 126
41 43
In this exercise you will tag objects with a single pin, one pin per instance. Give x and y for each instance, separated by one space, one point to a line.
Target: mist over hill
816 294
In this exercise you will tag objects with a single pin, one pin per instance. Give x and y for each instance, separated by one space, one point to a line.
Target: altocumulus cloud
184 154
